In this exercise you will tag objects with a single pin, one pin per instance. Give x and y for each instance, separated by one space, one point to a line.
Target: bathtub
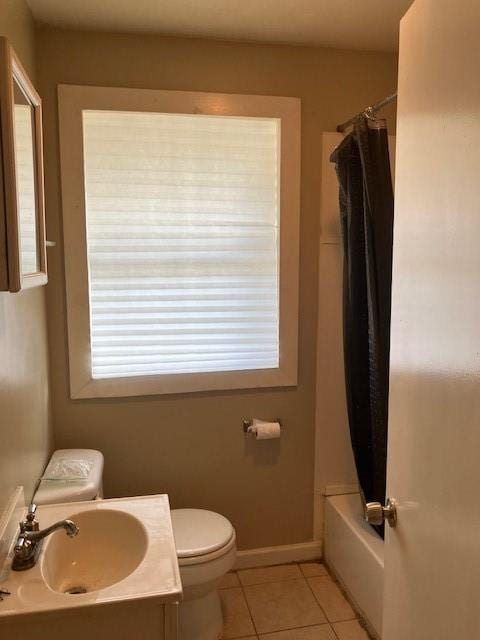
354 553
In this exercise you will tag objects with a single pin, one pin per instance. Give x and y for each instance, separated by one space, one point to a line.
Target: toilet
206 551
205 540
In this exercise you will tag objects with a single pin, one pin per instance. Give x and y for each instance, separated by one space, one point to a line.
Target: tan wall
24 401
192 446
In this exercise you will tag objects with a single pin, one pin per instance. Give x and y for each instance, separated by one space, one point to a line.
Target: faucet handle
22 547
30 523
32 510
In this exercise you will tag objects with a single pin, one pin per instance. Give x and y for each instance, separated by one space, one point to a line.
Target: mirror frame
11 276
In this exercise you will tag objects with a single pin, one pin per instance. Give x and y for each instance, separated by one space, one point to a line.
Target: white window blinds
25 175
182 215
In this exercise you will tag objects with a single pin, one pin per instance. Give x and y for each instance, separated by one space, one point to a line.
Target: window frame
72 100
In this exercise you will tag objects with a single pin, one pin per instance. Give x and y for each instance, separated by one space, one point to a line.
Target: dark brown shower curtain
366 212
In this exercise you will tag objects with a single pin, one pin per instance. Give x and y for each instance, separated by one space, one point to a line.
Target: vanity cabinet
142 620
118 578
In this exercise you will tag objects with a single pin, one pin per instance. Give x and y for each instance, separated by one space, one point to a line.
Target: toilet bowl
205 542
206 551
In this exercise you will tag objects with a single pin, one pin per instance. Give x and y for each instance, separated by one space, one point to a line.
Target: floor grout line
358 616
258 584
249 610
335 633
302 626
257 633
301 577
253 584
276 582
316 600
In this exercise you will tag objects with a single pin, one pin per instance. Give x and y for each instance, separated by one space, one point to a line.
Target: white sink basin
124 551
109 547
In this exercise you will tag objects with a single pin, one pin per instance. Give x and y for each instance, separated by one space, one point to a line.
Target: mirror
23 226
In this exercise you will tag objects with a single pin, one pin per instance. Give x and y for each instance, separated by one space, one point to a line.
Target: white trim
341 489
319 504
9 519
72 100
318 515
268 556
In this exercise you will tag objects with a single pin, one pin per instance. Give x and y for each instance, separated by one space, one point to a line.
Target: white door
432 587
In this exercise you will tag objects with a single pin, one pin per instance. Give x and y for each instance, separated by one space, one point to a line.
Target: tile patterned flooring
287 602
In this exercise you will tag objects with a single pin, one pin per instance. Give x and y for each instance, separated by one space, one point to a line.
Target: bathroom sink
109 547
124 552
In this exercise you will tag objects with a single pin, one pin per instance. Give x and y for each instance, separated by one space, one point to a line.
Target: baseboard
267 556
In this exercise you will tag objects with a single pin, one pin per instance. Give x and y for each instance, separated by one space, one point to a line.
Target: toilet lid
198 532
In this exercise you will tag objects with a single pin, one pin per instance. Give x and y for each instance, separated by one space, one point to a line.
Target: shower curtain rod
369 112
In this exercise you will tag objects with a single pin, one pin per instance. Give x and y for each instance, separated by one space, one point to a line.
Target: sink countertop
157 576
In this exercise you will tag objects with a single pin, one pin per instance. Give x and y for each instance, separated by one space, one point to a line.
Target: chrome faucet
29 541
35 536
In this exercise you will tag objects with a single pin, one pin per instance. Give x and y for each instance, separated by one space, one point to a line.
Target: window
181 240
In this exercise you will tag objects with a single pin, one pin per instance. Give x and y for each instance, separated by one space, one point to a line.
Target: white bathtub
354 553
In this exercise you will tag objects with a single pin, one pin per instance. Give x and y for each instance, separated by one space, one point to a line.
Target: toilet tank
72 475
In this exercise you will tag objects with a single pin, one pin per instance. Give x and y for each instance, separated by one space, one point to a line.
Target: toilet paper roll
265 430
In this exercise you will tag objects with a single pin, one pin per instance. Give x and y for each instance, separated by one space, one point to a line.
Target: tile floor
287 602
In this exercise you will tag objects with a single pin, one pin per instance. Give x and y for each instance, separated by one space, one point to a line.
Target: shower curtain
366 212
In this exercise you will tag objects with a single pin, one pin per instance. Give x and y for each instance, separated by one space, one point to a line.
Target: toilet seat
208 557
201 535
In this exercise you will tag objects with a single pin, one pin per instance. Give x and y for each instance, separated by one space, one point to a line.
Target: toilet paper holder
248 422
